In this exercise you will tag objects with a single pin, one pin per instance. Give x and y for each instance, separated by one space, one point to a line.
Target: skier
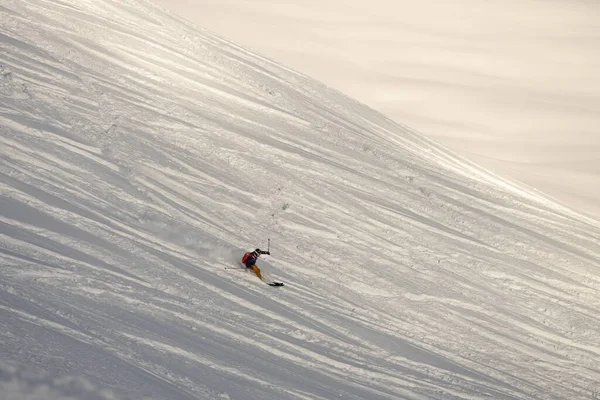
249 260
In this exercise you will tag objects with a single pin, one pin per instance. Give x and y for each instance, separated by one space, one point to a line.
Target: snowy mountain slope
142 156
512 85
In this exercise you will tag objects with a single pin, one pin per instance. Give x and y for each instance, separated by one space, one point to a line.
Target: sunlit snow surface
140 157
511 84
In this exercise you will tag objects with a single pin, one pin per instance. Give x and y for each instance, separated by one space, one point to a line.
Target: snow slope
512 84
141 156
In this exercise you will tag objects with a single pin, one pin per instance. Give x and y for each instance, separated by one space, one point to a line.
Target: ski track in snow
141 156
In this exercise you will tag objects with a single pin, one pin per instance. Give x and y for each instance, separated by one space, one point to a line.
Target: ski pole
269 245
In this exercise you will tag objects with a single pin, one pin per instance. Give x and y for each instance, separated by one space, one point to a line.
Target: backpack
245 258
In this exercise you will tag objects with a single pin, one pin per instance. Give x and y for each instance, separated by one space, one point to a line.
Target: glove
268 253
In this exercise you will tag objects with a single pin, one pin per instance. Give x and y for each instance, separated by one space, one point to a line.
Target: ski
274 284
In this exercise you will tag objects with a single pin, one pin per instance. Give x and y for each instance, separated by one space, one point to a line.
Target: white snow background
141 156
513 85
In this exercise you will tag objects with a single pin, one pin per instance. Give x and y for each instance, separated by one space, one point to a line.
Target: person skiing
249 260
